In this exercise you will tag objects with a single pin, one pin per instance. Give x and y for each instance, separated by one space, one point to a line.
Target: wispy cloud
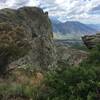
82 10
17 3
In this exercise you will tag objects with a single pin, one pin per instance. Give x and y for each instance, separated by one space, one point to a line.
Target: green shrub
15 90
93 58
73 84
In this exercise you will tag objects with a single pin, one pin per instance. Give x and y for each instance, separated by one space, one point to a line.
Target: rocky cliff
92 40
36 30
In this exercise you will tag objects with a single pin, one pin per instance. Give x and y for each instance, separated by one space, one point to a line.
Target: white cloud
62 9
73 9
17 3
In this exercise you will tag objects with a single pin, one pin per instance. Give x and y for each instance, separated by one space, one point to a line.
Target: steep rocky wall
38 30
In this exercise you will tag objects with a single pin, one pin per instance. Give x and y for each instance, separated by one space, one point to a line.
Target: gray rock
91 40
38 30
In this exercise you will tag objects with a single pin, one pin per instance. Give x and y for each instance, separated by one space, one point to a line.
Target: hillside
95 26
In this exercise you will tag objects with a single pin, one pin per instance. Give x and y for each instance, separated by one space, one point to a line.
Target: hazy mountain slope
95 26
72 27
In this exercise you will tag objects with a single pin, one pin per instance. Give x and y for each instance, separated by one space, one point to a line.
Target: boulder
91 41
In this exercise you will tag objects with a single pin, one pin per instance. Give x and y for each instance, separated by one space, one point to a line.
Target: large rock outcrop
36 30
91 41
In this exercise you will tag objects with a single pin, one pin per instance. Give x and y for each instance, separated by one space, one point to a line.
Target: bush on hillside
75 83
93 58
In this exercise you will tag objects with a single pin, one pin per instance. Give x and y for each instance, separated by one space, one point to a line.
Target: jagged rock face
92 40
38 32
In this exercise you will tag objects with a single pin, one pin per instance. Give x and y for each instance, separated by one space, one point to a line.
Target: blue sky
87 11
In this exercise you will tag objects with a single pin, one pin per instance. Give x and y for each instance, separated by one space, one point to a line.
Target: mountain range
74 27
